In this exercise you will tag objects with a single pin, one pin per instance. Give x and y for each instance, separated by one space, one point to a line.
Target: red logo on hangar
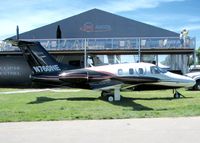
87 27
90 27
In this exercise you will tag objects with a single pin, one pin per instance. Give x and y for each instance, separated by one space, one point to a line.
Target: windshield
194 70
157 70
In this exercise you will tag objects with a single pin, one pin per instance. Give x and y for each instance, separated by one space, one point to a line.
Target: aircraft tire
177 95
110 98
197 86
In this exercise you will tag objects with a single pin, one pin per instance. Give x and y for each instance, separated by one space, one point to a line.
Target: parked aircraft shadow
40 100
125 101
159 98
129 102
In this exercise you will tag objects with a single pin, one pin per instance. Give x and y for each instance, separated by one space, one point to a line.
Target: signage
90 27
50 68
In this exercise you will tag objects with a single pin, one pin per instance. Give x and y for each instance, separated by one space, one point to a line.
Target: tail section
38 58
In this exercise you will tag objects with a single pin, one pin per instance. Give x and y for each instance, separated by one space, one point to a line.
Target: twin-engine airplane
110 79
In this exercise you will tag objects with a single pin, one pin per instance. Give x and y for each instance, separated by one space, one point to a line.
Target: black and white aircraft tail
38 58
45 68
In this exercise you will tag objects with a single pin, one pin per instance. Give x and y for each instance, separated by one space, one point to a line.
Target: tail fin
38 58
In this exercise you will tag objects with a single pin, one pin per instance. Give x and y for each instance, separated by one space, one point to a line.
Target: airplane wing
105 84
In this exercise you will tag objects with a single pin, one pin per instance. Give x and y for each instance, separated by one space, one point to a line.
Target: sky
174 15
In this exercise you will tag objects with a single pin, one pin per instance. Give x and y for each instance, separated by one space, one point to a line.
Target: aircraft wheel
177 95
197 86
110 98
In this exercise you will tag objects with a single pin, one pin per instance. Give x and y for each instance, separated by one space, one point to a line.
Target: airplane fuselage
130 74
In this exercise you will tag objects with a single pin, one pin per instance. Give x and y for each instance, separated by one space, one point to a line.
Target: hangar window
131 71
120 71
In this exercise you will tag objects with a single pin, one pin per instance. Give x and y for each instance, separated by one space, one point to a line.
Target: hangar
97 37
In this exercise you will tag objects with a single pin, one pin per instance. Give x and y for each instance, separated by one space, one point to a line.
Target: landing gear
110 98
107 95
197 85
177 94
111 95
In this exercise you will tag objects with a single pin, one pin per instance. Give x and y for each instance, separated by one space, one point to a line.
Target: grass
85 104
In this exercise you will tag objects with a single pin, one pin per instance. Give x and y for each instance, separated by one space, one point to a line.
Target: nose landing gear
177 94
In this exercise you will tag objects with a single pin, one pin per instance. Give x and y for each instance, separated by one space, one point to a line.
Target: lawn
86 104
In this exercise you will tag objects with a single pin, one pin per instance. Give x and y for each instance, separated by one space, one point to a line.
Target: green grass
85 104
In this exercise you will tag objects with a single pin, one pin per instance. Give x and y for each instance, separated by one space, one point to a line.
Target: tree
58 33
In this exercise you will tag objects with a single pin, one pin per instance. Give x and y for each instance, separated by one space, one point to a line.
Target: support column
139 51
85 53
117 95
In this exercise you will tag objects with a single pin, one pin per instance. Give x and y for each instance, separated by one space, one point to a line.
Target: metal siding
14 71
120 27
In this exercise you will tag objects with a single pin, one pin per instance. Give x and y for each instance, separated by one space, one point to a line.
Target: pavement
153 130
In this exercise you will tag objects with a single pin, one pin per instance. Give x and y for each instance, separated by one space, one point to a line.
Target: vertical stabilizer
38 58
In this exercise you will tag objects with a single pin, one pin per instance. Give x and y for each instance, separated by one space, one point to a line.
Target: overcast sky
173 15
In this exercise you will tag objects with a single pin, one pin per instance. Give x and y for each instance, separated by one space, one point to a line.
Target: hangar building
96 37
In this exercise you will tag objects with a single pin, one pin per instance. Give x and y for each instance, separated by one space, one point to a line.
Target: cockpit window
154 70
157 70
162 70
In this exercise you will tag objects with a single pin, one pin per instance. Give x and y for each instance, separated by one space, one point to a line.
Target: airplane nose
181 80
190 82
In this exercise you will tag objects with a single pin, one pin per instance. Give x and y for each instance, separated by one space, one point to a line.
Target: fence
109 43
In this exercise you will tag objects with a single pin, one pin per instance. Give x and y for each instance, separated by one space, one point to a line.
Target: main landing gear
114 95
111 95
177 94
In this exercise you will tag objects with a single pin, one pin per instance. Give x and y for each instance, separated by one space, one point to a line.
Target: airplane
109 79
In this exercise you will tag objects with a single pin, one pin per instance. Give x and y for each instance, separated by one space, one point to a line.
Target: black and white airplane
109 79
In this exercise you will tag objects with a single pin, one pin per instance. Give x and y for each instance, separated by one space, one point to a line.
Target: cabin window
140 71
131 71
120 71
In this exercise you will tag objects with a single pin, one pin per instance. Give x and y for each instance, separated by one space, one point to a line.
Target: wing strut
117 95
